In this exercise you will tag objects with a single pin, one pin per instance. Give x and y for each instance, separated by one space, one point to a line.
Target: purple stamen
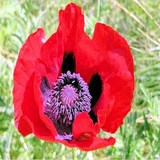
68 97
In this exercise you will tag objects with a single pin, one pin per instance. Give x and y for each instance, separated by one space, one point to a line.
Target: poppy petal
71 24
108 39
52 53
116 70
40 73
99 143
90 144
24 68
86 58
121 95
76 41
84 125
84 133
30 109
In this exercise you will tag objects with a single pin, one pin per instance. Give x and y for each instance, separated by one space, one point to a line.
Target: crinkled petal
24 68
76 40
71 24
39 74
85 134
121 94
116 71
90 144
108 39
52 53
102 106
98 143
27 109
30 110
83 127
86 58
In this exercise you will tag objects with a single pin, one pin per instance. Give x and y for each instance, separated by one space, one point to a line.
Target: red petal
30 109
121 95
84 133
116 70
76 40
71 24
101 109
108 39
28 116
24 126
99 143
83 126
90 143
52 56
25 66
86 58
40 72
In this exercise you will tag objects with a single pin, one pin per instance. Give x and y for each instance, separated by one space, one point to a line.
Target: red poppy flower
69 87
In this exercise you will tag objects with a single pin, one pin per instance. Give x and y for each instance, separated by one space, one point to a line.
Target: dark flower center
68 97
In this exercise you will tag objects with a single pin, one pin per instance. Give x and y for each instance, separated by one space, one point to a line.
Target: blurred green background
138 22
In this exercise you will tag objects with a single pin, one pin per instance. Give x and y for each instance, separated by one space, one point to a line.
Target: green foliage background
138 22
